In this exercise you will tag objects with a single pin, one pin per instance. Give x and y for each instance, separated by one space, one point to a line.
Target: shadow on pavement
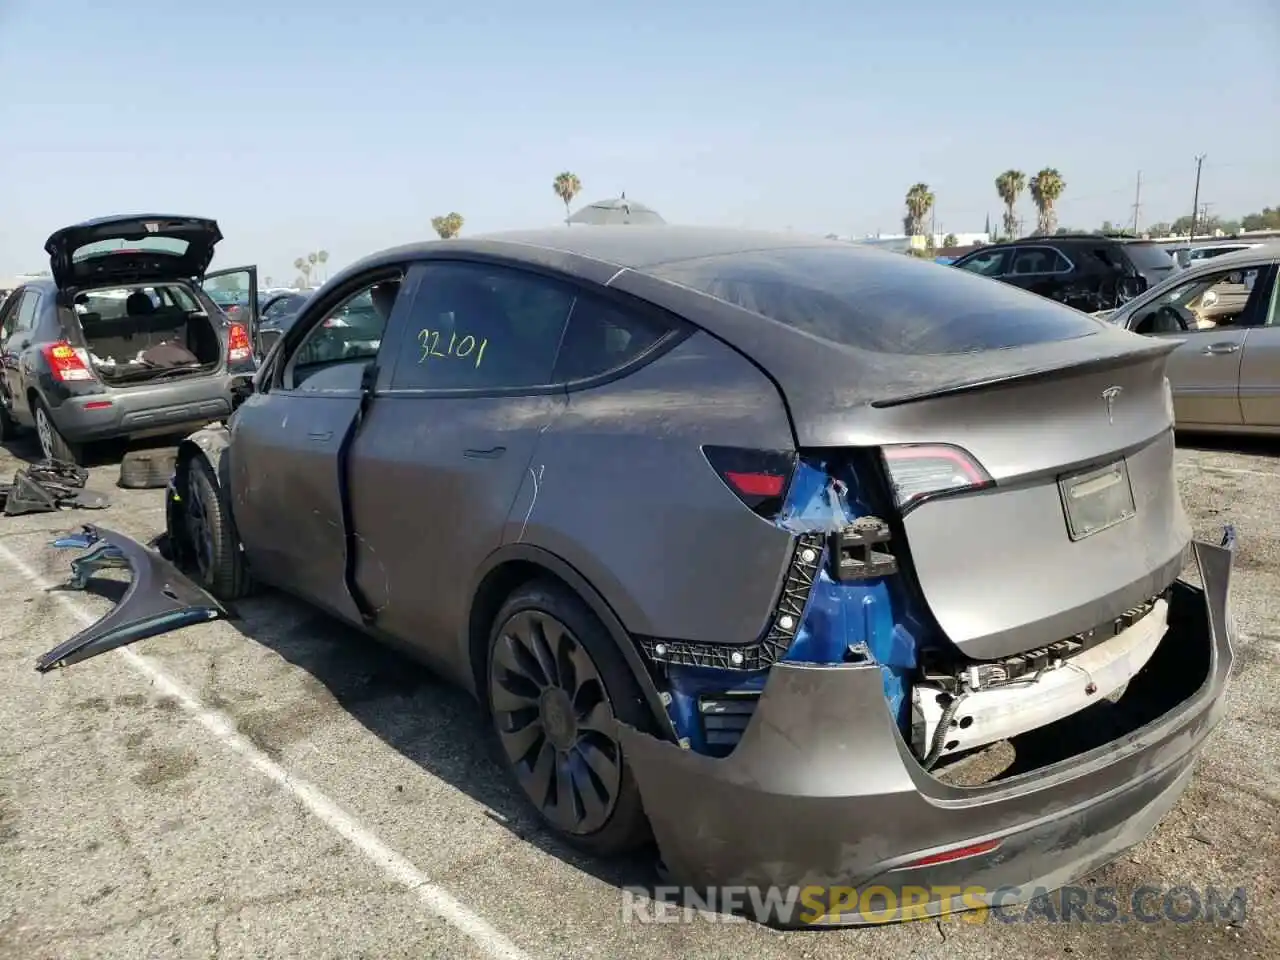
437 726
1229 443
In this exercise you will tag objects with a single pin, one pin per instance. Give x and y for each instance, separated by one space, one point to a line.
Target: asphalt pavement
279 786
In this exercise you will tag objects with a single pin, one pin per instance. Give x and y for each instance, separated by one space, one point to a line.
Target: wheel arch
516 564
211 443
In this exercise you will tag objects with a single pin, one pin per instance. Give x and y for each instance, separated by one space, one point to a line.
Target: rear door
287 454
1040 269
448 442
1260 366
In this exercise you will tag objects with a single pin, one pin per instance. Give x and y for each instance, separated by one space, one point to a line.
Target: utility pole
1137 204
1195 202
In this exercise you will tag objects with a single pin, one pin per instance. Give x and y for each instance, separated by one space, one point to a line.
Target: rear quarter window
1149 256
880 302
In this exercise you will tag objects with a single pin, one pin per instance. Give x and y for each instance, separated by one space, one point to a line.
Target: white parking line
437 900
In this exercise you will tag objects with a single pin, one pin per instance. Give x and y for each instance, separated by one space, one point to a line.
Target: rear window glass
880 302
120 302
1149 256
101 248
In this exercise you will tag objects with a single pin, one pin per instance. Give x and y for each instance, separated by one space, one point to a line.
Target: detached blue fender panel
158 599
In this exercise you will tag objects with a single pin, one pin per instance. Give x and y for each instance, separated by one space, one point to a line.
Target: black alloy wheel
556 722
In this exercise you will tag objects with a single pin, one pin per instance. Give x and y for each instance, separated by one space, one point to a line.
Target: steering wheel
1170 317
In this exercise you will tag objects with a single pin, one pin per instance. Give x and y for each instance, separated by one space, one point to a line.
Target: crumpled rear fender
159 597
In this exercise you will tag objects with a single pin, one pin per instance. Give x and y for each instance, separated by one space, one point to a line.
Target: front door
446 448
287 463
1215 315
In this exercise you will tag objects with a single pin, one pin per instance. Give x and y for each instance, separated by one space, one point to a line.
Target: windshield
881 302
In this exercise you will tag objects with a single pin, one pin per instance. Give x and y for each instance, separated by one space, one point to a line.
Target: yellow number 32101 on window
460 348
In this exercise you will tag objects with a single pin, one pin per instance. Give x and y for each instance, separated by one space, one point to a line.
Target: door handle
1220 348
493 453
320 435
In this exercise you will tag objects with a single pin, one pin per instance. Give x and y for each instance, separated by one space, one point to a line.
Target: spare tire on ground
147 469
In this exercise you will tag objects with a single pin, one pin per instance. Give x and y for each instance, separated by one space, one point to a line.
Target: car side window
1210 302
349 334
1040 260
473 326
988 264
9 314
26 312
601 337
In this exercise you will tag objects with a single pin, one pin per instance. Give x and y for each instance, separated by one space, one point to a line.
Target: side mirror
1130 287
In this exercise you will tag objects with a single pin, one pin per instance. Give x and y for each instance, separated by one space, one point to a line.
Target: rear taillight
67 363
759 478
922 471
238 346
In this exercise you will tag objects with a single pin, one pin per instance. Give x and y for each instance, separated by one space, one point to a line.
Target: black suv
1087 272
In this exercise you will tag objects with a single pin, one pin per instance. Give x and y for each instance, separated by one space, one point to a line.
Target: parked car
1087 272
1224 312
278 313
1209 251
743 539
122 342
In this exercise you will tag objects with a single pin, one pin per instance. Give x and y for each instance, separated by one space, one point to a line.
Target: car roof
630 247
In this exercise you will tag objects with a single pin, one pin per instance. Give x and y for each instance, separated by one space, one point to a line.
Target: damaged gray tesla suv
823 567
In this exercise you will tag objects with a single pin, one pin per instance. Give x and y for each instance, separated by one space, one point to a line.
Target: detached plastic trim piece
158 599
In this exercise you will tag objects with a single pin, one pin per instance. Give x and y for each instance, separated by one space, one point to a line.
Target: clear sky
347 126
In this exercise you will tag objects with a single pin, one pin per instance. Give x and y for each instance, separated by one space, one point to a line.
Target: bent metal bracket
159 597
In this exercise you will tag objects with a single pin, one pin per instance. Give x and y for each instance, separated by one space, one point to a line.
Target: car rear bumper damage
158 598
822 802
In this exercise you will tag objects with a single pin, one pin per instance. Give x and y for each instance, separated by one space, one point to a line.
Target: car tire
8 426
53 445
211 537
585 747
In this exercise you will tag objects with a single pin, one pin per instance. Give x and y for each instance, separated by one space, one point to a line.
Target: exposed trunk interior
131 343
1176 672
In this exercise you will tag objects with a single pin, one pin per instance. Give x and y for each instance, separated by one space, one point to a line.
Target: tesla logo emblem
1109 398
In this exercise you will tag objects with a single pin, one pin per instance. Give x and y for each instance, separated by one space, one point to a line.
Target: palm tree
304 271
1010 185
567 186
323 257
919 203
312 259
448 226
1046 188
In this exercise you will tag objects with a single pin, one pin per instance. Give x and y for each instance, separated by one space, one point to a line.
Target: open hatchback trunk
131 283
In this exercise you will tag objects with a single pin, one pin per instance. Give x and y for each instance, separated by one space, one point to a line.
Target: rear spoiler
1150 350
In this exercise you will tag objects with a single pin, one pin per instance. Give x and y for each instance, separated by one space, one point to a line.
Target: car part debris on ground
158 598
48 486
147 469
